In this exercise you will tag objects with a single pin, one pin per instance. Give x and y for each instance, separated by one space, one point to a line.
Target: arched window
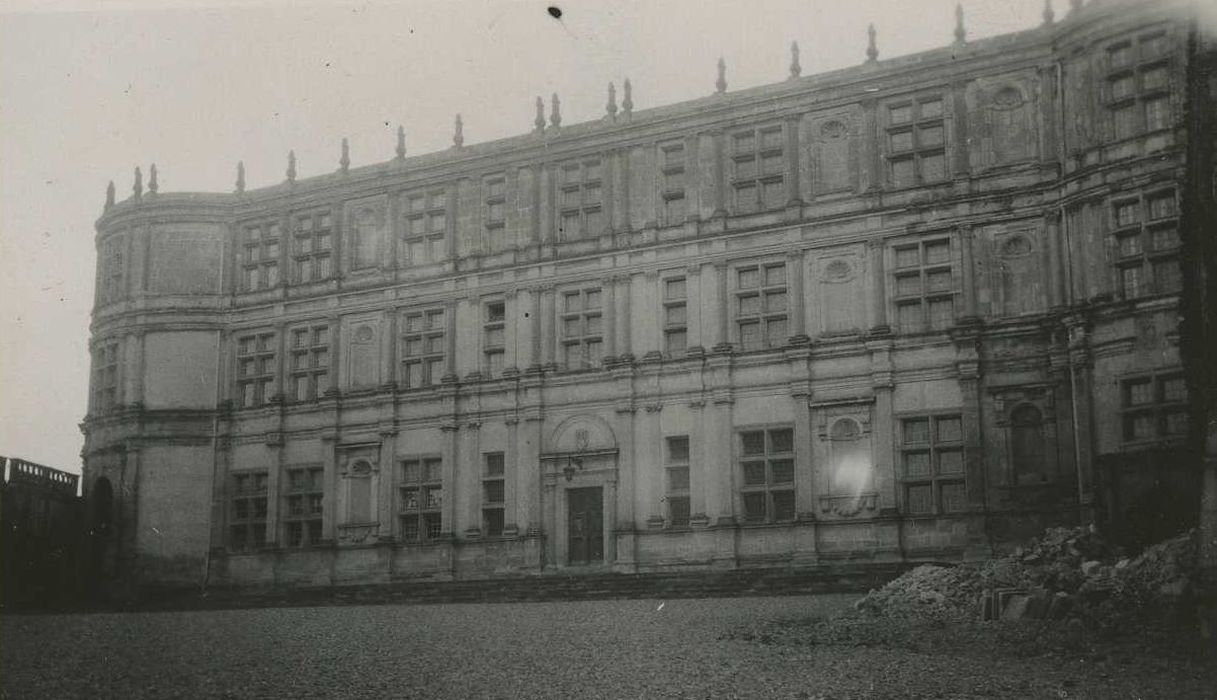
1027 445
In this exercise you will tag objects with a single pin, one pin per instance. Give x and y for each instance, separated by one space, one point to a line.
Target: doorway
585 526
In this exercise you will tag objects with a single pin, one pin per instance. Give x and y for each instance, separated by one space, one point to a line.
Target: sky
89 90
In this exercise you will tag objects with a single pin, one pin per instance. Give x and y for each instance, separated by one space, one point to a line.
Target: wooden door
585 526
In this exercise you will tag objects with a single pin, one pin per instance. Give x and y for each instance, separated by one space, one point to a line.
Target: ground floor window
767 463
305 495
247 518
931 450
421 499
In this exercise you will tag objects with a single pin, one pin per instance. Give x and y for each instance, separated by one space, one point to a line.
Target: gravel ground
600 649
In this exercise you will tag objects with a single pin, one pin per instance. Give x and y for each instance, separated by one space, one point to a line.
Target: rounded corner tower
158 317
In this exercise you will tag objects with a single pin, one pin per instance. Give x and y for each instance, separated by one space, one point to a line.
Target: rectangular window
675 316
1138 84
677 468
493 331
420 499
425 226
260 261
1154 408
105 377
761 306
423 348
916 139
310 368
495 203
931 450
1147 245
758 162
767 470
312 247
494 499
256 356
111 273
672 182
582 329
303 503
247 518
924 285
580 199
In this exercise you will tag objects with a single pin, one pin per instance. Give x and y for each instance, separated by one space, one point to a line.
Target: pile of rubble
1066 573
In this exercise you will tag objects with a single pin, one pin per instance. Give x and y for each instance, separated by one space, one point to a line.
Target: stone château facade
912 309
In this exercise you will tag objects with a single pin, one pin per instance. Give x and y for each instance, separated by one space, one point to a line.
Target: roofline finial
240 177
401 142
872 48
961 34
795 68
720 85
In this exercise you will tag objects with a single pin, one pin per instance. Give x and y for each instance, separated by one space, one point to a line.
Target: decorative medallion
361 468
845 429
1015 247
833 130
1007 98
838 271
364 334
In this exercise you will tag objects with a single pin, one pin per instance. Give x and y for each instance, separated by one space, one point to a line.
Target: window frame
673 329
917 152
428 515
493 355
589 177
315 373
495 227
1157 409
262 354
762 317
436 201
926 296
771 486
112 275
1137 104
494 513
933 448
317 259
253 525
678 498
759 180
303 527
106 361
672 182
256 258
427 336
1145 257
585 341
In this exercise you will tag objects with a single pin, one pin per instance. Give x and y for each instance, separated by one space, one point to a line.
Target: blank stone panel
186 261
